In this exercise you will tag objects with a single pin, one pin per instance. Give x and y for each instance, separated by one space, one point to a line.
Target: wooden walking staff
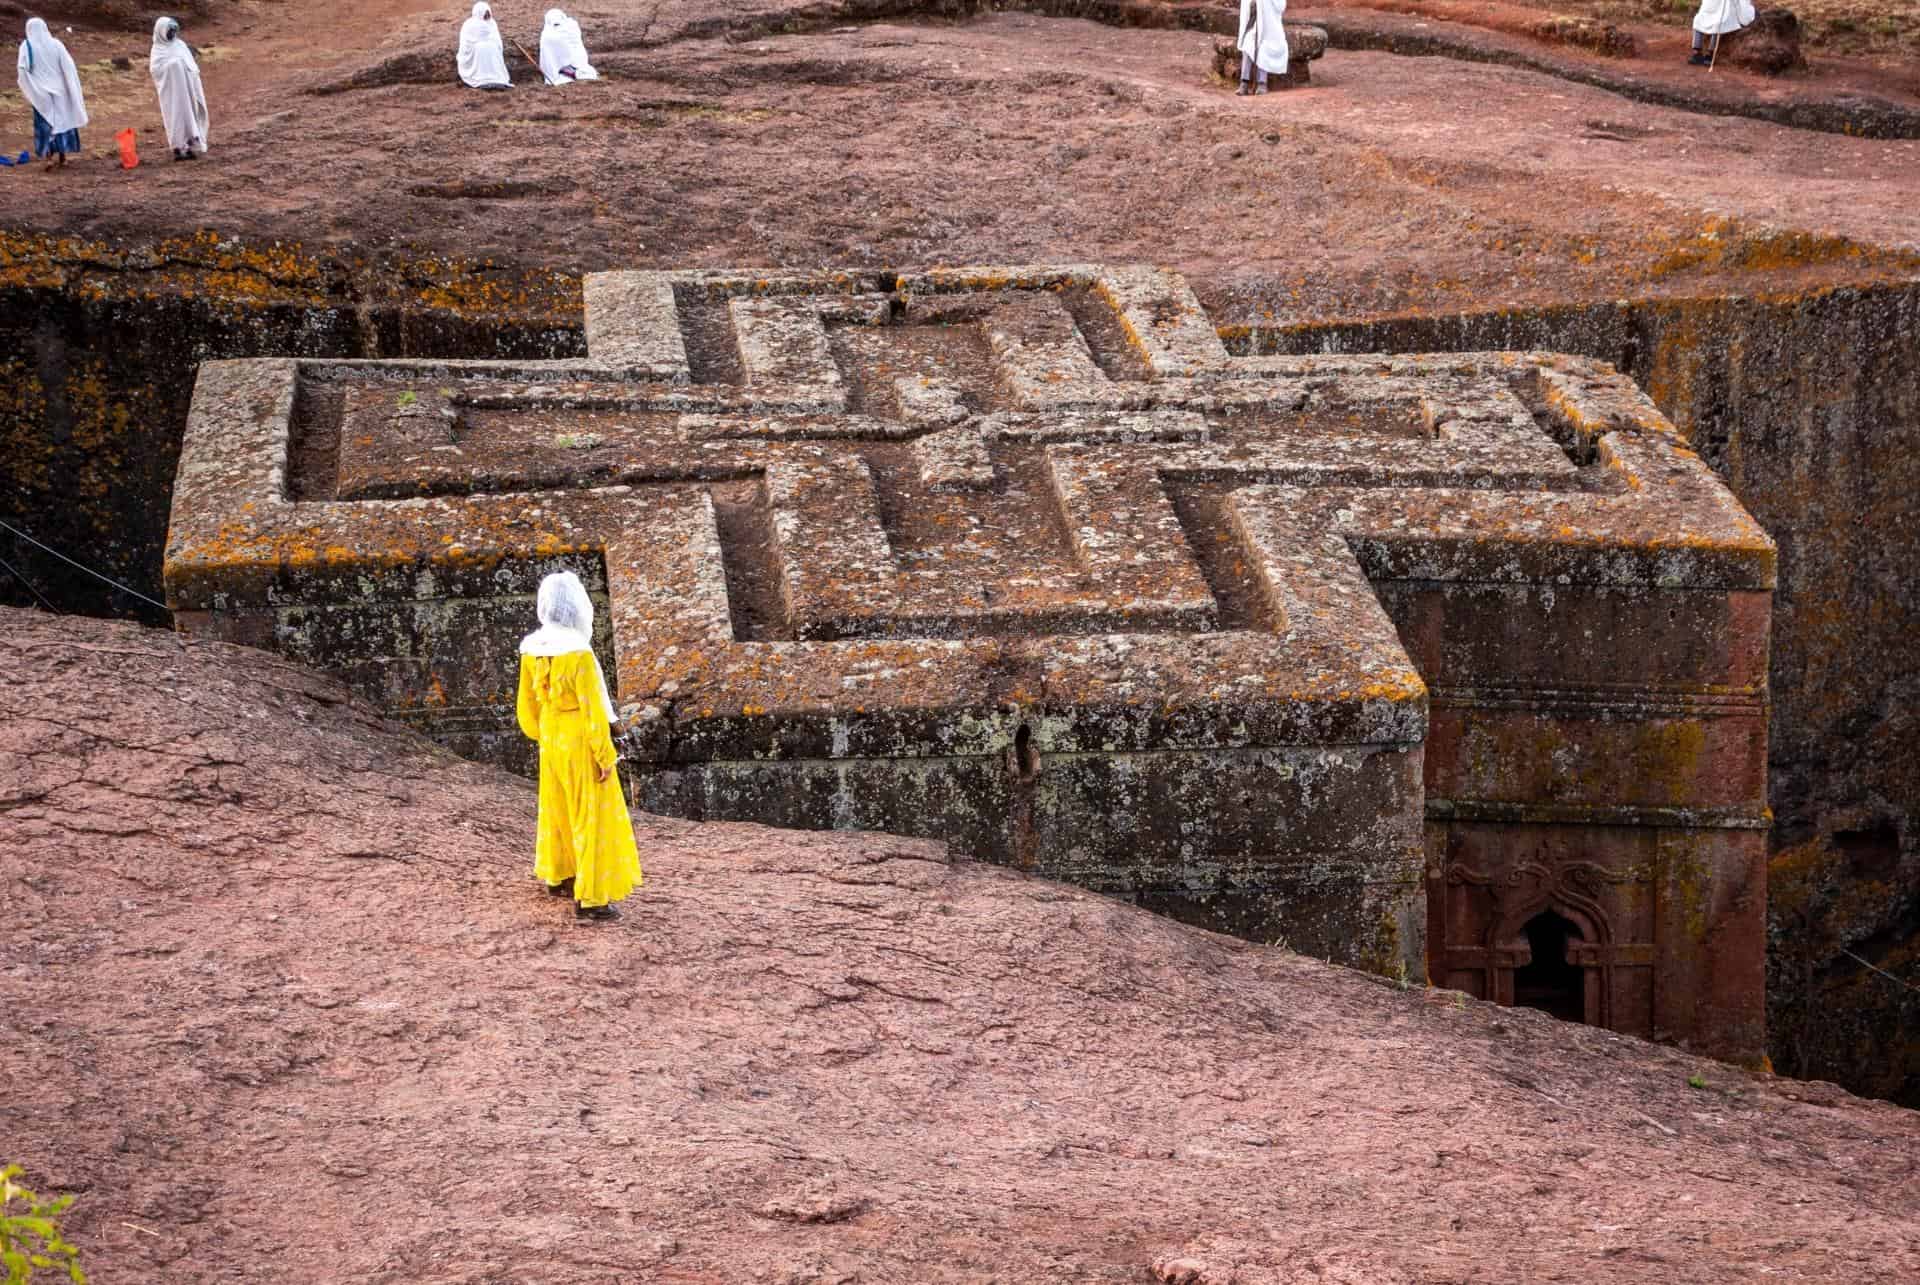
529 57
1252 62
1713 53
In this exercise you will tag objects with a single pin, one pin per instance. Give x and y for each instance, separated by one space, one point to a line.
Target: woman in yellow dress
586 838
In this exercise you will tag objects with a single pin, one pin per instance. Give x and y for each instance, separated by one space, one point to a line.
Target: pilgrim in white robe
51 85
1718 17
483 56
1263 39
563 55
176 80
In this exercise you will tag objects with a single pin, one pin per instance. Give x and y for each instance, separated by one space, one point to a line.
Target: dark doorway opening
1550 983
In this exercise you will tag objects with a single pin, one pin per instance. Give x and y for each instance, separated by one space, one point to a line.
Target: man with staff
1263 43
1716 18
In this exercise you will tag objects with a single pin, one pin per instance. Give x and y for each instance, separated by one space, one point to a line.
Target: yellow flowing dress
585 833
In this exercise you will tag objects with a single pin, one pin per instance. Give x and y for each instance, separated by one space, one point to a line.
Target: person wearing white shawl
563 55
585 843
183 100
483 56
51 85
1263 43
1716 18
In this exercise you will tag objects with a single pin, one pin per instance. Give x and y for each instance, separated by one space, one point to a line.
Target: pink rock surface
282 1002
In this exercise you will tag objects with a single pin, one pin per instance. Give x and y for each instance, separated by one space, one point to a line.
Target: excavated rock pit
1761 386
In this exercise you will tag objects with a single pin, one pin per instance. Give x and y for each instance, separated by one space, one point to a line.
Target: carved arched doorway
1553 956
1570 937
1551 981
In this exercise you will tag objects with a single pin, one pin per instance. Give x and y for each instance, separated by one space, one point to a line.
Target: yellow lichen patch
1688 876
26 456
1381 953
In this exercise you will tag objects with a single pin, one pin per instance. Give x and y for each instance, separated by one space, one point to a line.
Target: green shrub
30 1233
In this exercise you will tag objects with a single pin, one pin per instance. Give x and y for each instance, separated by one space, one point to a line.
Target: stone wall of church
1809 406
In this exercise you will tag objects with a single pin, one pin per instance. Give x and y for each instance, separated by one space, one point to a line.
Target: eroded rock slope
281 1002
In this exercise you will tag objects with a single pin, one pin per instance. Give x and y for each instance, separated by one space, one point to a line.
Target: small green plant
577 441
409 397
1696 1081
30 1233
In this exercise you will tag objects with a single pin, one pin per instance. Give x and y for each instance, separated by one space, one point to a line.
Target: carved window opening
1550 982
1026 759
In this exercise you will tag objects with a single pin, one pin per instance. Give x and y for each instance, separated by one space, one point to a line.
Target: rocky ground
280 1001
1392 183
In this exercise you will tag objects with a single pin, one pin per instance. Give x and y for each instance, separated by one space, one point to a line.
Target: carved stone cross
1025 559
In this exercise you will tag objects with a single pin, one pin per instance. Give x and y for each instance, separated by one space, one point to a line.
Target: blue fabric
48 143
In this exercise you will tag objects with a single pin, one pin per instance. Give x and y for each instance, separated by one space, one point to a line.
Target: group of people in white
482 59
51 85
50 81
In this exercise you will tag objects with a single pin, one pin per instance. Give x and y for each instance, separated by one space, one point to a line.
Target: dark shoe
562 889
1699 60
595 912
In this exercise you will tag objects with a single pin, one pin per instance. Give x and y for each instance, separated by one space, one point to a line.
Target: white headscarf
49 80
1263 37
176 79
561 46
483 57
566 626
